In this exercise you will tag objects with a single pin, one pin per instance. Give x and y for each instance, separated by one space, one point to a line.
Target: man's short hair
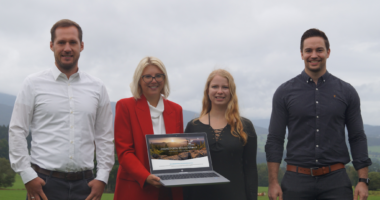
65 23
313 32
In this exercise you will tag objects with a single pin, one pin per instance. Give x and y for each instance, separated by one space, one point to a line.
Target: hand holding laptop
153 180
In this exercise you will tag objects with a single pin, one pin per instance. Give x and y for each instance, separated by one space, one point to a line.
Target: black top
316 116
230 159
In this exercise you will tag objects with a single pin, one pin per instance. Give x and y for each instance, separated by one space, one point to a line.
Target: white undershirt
157 118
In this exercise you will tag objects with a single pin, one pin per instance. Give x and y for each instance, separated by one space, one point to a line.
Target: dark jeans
332 186
61 189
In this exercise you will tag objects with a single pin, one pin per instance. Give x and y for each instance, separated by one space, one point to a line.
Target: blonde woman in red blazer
133 120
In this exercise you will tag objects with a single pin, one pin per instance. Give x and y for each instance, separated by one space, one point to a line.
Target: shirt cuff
28 174
102 175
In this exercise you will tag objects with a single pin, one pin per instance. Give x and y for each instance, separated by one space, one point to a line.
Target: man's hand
97 189
34 189
361 190
153 180
274 191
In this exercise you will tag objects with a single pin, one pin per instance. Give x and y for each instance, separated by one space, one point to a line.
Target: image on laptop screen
178 152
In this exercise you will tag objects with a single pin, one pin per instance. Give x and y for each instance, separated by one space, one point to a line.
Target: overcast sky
258 42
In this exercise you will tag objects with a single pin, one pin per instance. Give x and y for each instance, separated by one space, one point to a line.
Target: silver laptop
182 160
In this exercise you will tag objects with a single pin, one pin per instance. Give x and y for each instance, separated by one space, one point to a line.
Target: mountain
5 114
7 99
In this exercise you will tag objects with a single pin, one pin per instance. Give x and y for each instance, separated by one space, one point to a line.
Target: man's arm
356 135
104 145
18 131
358 143
275 143
274 189
19 158
361 188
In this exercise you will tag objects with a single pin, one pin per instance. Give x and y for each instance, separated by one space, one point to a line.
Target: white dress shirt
68 118
157 118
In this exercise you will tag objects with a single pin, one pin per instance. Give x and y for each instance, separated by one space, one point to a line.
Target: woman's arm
125 145
249 159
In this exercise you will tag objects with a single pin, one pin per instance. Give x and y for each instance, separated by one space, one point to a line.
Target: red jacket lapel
169 118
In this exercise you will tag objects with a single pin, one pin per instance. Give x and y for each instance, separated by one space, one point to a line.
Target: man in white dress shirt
69 115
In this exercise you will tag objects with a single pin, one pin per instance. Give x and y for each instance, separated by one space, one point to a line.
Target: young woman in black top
232 140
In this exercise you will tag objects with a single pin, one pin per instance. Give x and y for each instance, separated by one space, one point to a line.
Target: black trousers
332 186
61 189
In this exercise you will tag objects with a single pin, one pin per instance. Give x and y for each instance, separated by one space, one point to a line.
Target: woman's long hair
232 113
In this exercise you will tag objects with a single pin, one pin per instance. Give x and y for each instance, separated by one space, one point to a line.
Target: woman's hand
153 180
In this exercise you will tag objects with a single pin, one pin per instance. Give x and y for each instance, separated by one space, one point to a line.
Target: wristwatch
365 180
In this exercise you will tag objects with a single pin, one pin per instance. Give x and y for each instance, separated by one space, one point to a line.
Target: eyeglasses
149 78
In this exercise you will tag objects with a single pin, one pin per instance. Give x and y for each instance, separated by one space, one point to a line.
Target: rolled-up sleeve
274 147
104 139
18 131
356 135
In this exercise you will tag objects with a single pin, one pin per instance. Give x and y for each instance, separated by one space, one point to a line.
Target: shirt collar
57 73
307 78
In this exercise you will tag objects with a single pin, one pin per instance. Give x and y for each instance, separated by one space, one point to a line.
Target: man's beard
68 66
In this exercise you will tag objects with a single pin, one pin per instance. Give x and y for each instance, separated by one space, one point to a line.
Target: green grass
17 191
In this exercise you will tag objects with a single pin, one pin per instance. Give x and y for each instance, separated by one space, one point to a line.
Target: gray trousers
332 186
60 189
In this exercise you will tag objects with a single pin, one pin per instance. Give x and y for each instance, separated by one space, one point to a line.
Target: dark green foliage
7 175
375 181
352 174
4 132
262 170
4 149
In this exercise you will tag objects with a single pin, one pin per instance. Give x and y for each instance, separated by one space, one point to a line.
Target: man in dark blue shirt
316 107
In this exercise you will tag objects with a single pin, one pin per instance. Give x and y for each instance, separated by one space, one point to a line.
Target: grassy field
18 192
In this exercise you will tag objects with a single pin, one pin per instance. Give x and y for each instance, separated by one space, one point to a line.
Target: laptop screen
178 151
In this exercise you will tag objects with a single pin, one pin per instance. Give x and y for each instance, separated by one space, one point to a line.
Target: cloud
257 41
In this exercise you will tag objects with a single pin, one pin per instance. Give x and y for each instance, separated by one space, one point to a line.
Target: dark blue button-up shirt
316 116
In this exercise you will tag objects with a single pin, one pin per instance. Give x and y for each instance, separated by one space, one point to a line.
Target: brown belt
71 176
315 171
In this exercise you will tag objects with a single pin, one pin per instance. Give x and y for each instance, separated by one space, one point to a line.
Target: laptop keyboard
186 176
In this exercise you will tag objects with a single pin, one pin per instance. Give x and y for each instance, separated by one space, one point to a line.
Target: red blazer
132 123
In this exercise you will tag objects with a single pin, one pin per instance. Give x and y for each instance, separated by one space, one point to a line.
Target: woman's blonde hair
232 113
135 85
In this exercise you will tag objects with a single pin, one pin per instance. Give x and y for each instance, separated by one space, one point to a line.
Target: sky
257 41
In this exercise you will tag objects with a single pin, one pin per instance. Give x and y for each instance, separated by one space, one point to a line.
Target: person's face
66 47
315 54
219 91
152 87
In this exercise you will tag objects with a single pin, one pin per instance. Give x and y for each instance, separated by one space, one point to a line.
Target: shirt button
71 157
316 101
71 112
311 79
317 130
71 127
317 116
71 141
324 80
316 160
71 98
317 145
307 81
316 88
